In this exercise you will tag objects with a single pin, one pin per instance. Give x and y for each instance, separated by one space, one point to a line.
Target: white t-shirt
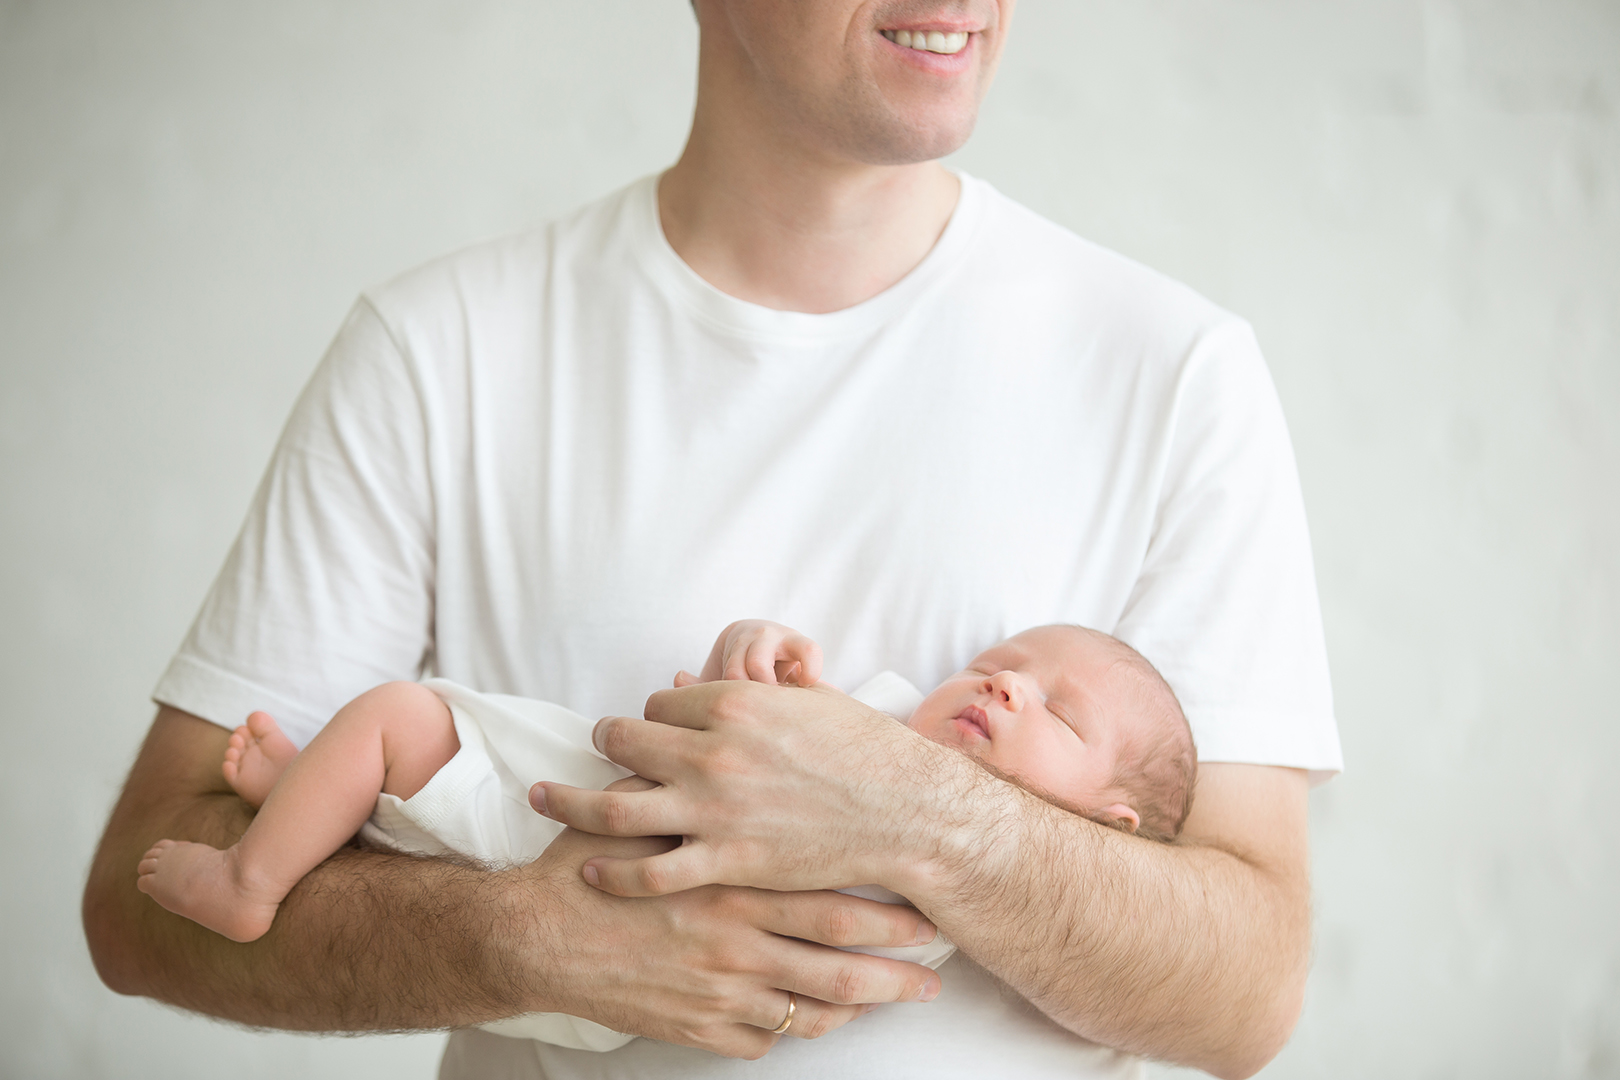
556 465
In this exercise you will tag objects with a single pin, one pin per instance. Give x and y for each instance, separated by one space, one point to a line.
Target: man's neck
796 230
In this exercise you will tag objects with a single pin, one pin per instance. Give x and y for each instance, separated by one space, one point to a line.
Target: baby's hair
1157 768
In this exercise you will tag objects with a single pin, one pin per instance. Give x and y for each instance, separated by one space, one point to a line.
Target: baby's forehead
1059 645
1066 660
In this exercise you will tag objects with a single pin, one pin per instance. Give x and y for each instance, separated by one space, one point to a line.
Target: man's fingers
811 1018
607 813
686 867
846 978
633 783
641 746
772 1009
842 921
683 708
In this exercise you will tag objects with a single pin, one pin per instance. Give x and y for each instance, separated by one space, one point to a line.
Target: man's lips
973 721
954 59
935 39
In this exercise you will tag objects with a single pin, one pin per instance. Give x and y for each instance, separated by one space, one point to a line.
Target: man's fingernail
925 933
867 1008
537 799
596 736
930 990
592 878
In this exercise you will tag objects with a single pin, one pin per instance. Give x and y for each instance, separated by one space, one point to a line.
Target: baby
1071 714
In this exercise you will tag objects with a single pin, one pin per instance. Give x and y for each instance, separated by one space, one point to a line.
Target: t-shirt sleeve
328 589
1226 604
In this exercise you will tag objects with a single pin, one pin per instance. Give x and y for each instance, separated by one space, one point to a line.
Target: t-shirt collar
741 318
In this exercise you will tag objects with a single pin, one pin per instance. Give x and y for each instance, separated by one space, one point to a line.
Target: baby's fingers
734 665
807 653
760 663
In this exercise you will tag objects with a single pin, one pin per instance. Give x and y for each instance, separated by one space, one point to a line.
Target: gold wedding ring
787 1021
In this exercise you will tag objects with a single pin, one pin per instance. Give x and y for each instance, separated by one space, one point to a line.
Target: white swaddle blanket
477 805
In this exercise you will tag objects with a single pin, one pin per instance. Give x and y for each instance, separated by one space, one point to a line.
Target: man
808 375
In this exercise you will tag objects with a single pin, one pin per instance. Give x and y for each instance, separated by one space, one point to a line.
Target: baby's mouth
973 721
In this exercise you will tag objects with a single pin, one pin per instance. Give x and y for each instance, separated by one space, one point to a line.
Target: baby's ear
1119 816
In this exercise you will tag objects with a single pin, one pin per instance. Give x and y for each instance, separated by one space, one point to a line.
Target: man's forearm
367 941
1194 952
373 942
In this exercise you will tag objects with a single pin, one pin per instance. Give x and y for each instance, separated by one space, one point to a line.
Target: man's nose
1005 685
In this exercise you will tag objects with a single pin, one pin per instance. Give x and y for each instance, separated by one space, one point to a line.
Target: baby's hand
763 651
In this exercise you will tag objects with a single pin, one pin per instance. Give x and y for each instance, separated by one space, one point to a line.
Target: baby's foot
257 756
206 885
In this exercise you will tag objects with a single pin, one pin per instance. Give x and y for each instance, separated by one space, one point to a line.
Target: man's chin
915 151
899 139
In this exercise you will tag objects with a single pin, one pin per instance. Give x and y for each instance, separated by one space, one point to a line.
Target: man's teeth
931 41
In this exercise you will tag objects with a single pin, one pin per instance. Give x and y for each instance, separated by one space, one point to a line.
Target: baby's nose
1004 684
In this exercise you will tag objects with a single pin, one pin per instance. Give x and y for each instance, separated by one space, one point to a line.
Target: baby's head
1077 717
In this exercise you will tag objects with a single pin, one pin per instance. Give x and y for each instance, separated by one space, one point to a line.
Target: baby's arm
761 651
390 739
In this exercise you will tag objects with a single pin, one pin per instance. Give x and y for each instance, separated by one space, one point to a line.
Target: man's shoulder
512 272
1029 252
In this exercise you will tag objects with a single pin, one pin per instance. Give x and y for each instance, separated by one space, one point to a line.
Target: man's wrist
964 830
511 955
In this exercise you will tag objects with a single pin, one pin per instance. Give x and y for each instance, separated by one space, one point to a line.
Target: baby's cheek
920 717
929 727
1042 761
920 725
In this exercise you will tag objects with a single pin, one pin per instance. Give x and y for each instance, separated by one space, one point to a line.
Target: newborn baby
1071 714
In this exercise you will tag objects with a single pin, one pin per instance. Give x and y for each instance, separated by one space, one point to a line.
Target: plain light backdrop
1417 203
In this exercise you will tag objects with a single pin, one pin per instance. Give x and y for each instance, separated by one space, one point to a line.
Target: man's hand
711 967
761 651
771 787
1194 952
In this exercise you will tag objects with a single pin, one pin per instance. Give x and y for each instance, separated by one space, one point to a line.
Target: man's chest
601 528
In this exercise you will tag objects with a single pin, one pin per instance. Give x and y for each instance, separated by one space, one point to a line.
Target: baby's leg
392 739
257 756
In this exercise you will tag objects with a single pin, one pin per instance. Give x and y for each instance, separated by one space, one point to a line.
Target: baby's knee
412 701
418 735
398 706
401 692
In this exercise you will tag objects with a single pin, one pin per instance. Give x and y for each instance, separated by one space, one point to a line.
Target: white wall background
1416 201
